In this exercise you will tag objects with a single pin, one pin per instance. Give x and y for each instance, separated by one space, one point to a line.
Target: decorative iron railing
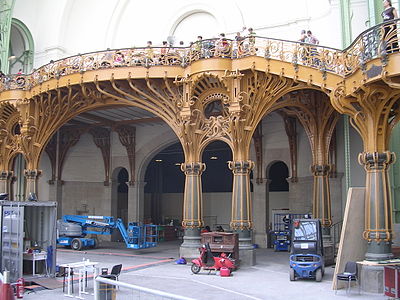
375 42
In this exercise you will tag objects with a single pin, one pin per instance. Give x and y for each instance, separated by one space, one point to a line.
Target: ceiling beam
113 124
78 123
138 121
97 118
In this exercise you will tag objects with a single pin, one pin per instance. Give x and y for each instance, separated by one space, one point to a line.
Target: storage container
28 238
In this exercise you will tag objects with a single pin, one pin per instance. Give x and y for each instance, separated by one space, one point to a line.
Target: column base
329 253
247 257
191 244
247 254
329 247
371 279
378 252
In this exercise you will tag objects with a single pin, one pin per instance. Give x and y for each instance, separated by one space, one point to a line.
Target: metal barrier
105 289
336 231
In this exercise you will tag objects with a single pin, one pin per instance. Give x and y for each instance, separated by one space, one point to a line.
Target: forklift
307 252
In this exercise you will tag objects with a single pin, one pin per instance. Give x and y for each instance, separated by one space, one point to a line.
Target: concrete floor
156 268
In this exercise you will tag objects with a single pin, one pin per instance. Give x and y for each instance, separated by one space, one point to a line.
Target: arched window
21 48
194 24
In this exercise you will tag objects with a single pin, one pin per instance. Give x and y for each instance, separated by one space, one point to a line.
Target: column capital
32 174
241 167
193 168
320 170
5 174
376 160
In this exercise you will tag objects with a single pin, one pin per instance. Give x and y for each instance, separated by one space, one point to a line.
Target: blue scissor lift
282 230
74 228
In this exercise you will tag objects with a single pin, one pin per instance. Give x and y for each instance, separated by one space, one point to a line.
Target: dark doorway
164 186
217 182
121 200
165 181
278 174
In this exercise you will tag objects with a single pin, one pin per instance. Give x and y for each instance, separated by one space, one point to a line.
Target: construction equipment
73 229
281 232
307 251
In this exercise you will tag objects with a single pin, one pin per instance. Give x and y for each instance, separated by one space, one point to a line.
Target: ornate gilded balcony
376 42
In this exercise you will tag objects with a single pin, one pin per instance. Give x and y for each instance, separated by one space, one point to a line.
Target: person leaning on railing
238 51
302 49
311 39
390 33
164 53
150 57
198 47
223 46
252 41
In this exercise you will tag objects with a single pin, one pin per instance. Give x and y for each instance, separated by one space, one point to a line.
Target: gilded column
374 111
31 183
241 206
378 205
321 195
192 208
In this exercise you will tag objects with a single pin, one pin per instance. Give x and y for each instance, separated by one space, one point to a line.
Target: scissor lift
282 230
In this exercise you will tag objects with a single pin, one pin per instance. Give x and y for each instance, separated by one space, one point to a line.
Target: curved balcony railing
375 42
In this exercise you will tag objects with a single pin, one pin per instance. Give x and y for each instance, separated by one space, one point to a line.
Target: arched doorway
217 185
277 196
119 201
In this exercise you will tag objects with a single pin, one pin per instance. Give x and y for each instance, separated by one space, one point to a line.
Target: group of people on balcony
221 47
308 54
308 37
